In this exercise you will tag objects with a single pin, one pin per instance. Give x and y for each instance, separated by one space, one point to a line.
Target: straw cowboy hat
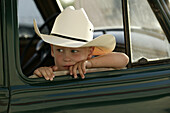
73 29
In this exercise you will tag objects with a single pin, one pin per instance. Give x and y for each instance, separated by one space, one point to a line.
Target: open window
39 52
148 43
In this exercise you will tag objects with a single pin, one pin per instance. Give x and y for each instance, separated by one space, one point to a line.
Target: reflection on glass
101 13
27 11
148 39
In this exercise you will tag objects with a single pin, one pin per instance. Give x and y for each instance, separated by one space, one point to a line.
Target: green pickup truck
142 31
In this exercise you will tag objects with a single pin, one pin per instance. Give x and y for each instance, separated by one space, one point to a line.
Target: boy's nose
67 57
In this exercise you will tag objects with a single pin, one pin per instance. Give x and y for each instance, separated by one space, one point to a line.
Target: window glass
27 11
147 37
101 13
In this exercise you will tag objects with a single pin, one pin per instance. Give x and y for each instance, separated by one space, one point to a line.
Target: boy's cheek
80 58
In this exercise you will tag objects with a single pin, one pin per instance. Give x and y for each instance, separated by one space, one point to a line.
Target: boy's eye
60 50
74 51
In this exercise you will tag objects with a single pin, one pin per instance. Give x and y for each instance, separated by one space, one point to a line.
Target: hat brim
103 44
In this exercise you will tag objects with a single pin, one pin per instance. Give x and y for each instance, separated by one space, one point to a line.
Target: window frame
90 75
1 53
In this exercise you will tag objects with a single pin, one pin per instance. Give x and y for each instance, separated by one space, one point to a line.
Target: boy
72 46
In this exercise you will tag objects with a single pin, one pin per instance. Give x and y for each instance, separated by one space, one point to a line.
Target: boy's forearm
115 60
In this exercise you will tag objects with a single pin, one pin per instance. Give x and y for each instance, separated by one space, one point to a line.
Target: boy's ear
52 52
91 49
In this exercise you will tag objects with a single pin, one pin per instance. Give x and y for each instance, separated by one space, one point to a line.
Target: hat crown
73 23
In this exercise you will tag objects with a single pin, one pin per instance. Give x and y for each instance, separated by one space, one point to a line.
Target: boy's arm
114 60
111 60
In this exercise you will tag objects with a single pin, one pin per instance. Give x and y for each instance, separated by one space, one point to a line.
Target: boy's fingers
84 64
71 70
49 73
54 68
81 71
45 74
75 71
37 72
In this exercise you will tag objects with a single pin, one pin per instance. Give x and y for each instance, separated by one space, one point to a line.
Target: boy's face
65 57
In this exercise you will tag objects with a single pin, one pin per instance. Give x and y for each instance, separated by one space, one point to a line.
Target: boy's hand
81 67
46 72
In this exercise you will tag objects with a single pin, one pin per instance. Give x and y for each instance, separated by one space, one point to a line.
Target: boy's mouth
67 66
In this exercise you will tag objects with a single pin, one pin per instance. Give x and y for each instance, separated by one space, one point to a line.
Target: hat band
66 37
